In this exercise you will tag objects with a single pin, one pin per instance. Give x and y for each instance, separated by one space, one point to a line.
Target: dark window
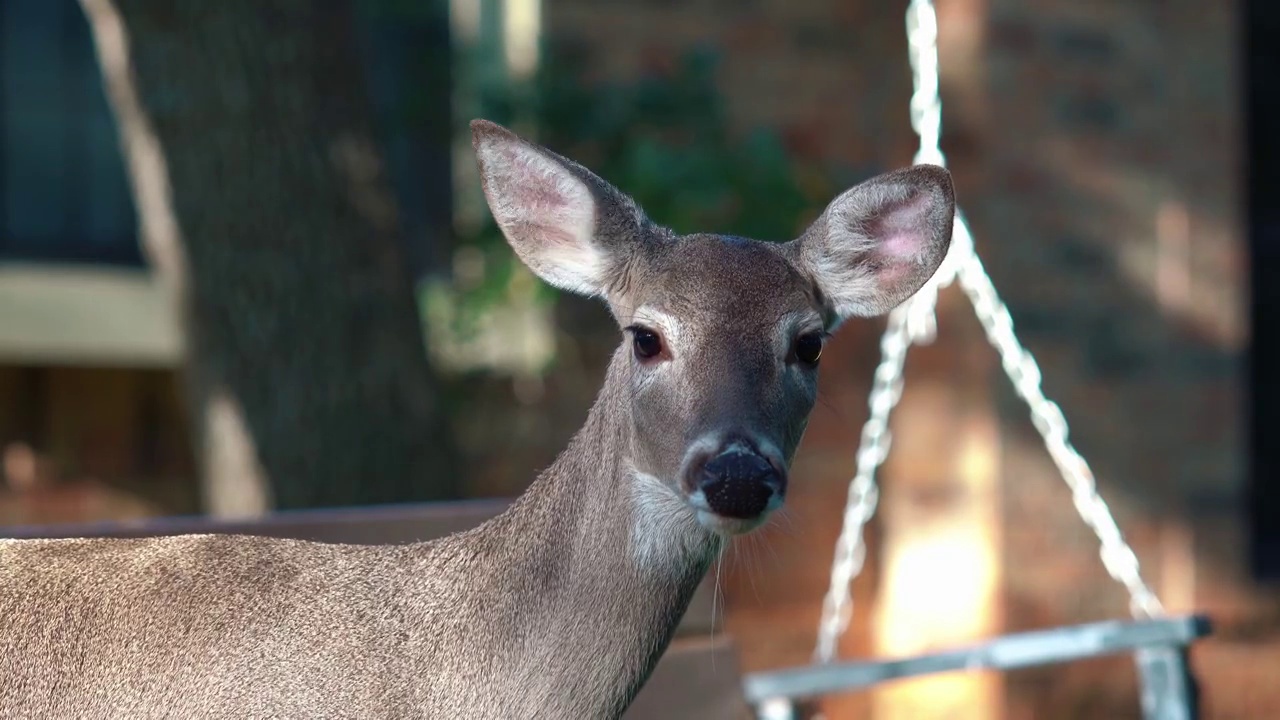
63 190
1262 112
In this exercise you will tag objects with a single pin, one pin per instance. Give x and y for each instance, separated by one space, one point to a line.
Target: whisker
784 523
833 408
752 541
715 593
773 553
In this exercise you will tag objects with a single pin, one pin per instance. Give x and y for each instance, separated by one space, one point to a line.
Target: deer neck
599 564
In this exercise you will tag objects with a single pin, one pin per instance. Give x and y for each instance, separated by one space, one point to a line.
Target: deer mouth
722 525
736 524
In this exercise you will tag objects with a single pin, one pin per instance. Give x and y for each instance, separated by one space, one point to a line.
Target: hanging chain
915 322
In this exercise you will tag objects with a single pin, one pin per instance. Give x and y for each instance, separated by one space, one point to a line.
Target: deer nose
738 481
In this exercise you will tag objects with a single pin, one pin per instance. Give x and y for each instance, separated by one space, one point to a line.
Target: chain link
915 321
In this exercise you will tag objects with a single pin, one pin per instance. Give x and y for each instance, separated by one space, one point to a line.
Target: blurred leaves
664 138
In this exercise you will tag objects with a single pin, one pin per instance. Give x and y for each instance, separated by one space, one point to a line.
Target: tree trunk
265 207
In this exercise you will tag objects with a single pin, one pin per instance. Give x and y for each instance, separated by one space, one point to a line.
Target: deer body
510 620
561 606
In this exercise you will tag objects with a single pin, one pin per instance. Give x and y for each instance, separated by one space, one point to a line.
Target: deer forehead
701 284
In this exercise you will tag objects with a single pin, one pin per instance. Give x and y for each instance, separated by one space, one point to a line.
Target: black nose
739 484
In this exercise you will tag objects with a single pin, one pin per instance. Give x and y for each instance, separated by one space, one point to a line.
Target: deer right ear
880 242
552 210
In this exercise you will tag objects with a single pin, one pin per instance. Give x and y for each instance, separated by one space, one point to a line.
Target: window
64 195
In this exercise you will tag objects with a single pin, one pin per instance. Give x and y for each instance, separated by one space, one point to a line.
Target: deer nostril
739 484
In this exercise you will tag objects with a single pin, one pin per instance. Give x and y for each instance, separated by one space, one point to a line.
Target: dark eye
809 348
647 343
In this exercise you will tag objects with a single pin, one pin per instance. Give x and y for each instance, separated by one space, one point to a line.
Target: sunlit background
1098 149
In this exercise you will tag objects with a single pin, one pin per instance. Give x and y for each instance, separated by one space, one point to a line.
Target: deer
560 606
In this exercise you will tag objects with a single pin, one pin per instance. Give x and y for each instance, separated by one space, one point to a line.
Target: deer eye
809 348
648 344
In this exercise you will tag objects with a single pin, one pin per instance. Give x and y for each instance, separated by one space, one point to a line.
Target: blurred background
245 266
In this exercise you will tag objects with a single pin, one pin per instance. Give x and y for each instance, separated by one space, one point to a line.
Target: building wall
1111 205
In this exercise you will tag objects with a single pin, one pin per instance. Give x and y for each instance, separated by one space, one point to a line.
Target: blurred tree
265 206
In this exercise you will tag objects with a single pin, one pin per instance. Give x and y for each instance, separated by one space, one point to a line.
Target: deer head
722 335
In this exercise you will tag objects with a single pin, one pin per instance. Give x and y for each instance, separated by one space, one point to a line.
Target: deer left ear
880 242
570 227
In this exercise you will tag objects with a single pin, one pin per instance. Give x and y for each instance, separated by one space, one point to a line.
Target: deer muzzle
734 480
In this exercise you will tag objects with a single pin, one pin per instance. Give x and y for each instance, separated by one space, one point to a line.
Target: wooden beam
1008 652
58 315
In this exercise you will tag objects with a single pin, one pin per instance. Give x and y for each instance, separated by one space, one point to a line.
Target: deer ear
565 223
881 241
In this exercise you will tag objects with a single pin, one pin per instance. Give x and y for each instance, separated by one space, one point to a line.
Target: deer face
722 335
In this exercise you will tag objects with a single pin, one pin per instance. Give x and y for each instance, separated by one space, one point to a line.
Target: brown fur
560 607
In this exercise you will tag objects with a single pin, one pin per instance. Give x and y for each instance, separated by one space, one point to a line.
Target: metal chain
915 322
851 552
1117 556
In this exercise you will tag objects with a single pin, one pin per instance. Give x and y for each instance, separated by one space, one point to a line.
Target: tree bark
265 207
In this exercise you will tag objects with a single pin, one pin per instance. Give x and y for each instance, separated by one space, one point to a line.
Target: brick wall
1109 209
1096 150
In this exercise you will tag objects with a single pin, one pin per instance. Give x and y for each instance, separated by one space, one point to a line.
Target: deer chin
727 526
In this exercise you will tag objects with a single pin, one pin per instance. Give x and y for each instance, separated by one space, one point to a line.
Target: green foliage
663 139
